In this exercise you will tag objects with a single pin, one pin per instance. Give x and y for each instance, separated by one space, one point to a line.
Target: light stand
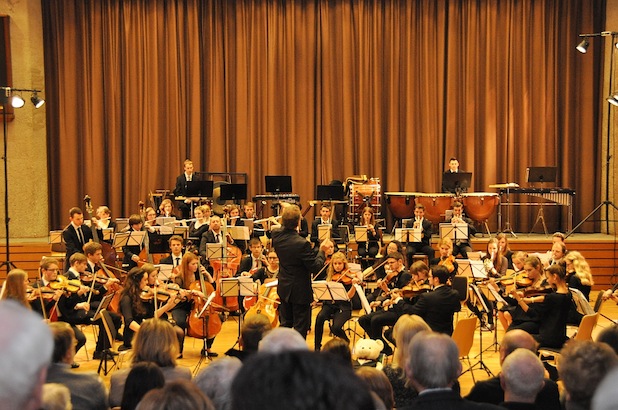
8 92
606 203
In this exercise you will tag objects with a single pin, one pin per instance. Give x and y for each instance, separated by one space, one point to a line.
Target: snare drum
480 205
435 205
401 204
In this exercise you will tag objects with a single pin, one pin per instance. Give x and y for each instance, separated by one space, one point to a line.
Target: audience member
215 381
522 379
56 396
282 339
298 380
253 330
378 383
155 342
142 378
176 395
338 350
26 346
491 390
87 389
433 368
606 395
404 330
582 367
609 335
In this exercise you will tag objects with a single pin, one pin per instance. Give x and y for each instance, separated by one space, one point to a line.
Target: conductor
297 262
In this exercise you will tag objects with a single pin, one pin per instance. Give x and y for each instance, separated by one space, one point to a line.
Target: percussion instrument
401 204
435 205
480 205
362 195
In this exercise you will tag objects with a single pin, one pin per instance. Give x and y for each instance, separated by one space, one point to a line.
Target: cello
226 269
267 304
208 325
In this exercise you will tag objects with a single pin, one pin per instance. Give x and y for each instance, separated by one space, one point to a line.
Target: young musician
339 311
75 235
446 258
167 208
368 250
14 288
213 235
181 188
103 220
48 272
175 257
453 168
254 261
324 219
268 271
201 224
132 252
424 246
461 246
234 220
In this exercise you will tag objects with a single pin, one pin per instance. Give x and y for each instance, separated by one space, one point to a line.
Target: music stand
239 233
329 291
233 192
481 364
200 315
240 286
122 224
324 231
200 189
181 231
407 235
456 182
159 243
455 232
471 268
329 193
360 234
542 175
131 238
215 251
278 184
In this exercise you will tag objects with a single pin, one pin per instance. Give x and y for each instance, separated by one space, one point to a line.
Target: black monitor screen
276 184
330 193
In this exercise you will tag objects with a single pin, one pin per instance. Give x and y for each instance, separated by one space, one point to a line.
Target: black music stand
233 192
542 175
480 364
329 193
278 184
200 189
456 182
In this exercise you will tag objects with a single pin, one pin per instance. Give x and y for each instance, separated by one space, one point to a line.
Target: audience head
516 339
64 342
338 350
253 330
378 383
433 361
606 395
297 380
56 396
215 381
142 378
290 217
522 376
26 346
609 335
406 327
156 342
176 395
582 366
282 339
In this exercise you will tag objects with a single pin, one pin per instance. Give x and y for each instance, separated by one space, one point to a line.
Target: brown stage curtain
320 90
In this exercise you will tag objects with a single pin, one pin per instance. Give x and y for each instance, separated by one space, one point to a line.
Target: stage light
17 101
582 47
38 102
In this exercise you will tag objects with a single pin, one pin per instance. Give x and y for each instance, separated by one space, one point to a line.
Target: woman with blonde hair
405 329
578 273
14 287
155 342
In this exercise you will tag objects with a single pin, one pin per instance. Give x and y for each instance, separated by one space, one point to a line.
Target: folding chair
463 335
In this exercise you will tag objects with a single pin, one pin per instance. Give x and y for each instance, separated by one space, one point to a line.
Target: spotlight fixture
38 102
17 101
613 100
582 47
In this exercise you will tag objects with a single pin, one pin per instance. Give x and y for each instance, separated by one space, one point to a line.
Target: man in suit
181 188
491 390
433 368
424 246
75 235
324 219
453 168
297 262
438 306
175 256
254 261
461 246
87 389
213 235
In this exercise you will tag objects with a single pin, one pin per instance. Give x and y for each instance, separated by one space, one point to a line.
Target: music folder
131 238
329 291
239 233
55 237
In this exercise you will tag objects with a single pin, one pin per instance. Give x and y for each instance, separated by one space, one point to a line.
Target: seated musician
213 235
519 258
151 220
438 306
461 246
138 304
557 253
269 271
75 307
175 257
367 250
48 306
249 213
397 278
446 258
181 188
249 264
166 209
578 273
424 246
234 219
339 311
75 235
324 219
103 220
132 252
453 167
189 270
533 282
200 226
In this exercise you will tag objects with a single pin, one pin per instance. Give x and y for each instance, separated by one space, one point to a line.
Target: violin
448 263
346 277
63 283
523 281
46 293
